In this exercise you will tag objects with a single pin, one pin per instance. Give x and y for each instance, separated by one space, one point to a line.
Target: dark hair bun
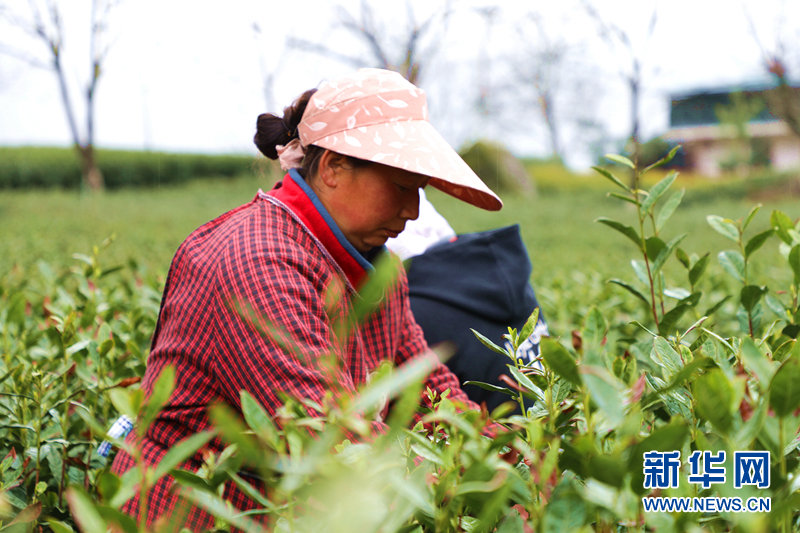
272 130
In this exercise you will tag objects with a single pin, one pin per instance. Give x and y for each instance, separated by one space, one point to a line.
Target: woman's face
372 203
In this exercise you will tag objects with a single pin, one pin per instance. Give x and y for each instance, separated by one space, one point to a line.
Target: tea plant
68 340
707 363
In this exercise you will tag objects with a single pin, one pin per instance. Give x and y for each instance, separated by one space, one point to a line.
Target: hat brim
415 145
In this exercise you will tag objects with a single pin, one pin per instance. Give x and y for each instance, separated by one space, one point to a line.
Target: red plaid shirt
278 255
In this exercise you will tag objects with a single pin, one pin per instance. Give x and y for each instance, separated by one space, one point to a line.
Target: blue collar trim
358 256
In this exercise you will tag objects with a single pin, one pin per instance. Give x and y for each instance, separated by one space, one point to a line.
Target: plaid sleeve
276 331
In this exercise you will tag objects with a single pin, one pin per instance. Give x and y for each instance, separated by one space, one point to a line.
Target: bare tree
405 57
783 101
45 24
268 75
616 37
540 70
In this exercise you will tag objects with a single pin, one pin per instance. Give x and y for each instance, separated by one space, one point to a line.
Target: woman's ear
330 168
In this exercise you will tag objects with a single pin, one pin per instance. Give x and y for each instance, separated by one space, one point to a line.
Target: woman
357 151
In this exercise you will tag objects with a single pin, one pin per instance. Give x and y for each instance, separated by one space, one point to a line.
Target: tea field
690 350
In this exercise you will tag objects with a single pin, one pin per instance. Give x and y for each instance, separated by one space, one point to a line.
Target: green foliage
688 351
33 167
498 167
69 341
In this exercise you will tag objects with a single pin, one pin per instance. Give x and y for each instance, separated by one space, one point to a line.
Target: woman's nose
410 209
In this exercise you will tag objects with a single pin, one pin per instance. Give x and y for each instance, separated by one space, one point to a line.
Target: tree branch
24 57
317 48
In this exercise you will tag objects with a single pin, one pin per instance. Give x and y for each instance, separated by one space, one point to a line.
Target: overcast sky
188 75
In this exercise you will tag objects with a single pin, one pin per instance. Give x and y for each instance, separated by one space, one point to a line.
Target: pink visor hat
377 115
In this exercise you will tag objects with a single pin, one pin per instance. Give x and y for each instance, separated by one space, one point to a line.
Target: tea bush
705 360
498 167
28 167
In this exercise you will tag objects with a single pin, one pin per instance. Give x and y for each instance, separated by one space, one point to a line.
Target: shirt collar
298 196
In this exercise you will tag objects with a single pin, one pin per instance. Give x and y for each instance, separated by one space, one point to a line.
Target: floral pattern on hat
377 115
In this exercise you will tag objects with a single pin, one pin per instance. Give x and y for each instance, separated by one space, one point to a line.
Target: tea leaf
713 395
607 174
755 360
750 295
527 329
653 246
427 453
232 431
258 420
784 389
640 269
124 402
664 160
609 469
664 254
669 208
664 439
644 328
162 390
488 343
682 257
371 294
84 259
379 390
558 359
750 216
114 517
775 305
22 521
631 289
626 230
724 226
783 351
405 406
78 346
733 263
756 242
490 387
526 383
697 270
694 326
657 190
220 508
180 452
666 356
677 293
470 487
606 392
594 328
622 160
512 523
84 512
107 485
566 510
782 224
59 527
794 262
624 198
687 372
668 321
